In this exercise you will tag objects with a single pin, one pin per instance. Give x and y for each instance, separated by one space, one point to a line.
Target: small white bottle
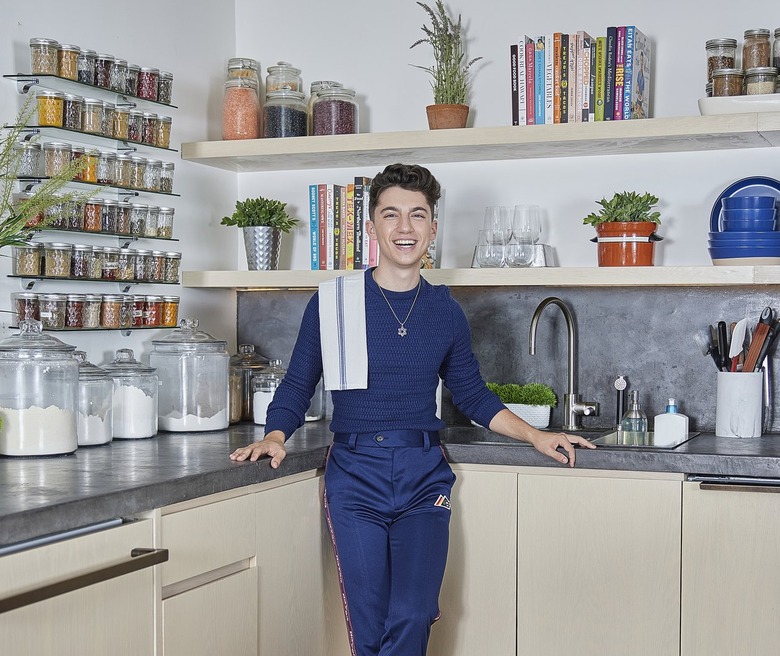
670 427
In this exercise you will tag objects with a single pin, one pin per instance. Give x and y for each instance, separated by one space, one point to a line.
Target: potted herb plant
532 402
263 220
625 227
450 70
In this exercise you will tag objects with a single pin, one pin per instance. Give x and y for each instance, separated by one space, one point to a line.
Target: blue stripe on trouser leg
391 542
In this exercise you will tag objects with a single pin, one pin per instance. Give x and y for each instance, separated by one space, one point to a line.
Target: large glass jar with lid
721 53
43 56
756 49
67 61
284 115
243 67
193 370
335 111
134 406
264 385
38 394
314 90
283 77
95 403
240 109
243 366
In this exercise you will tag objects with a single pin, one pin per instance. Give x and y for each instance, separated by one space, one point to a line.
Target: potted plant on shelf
625 227
263 220
532 402
450 71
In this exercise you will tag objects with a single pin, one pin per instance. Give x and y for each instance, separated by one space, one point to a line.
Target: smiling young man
387 483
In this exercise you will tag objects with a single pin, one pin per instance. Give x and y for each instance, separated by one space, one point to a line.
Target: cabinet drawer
208 537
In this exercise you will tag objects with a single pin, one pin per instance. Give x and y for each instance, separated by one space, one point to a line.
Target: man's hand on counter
272 445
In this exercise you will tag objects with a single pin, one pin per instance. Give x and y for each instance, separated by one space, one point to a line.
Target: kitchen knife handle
723 346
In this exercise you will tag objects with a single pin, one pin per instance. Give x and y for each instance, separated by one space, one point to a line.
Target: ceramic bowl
747 225
753 213
748 202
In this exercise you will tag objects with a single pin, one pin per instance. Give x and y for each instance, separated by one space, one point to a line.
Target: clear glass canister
122 171
38 394
118 76
148 83
86 66
193 370
43 56
314 90
89 172
264 385
125 264
111 310
172 266
141 255
107 126
108 219
110 265
243 67
243 366
27 306
727 82
72 112
27 259
170 312
95 404
50 108
166 177
165 88
29 155
335 111
92 116
240 109
80 262
283 77
760 80
151 220
165 222
106 168
53 307
93 215
120 124
284 115
137 169
776 49
91 315
68 61
756 49
151 178
103 64
135 397
57 258
56 157
132 79
135 119
149 124
163 137
153 305
721 53
74 311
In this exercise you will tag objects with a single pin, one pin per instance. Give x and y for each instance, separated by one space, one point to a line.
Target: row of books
337 221
573 78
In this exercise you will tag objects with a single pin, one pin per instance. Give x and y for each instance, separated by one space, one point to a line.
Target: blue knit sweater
403 372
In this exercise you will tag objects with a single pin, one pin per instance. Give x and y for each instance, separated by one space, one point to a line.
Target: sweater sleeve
287 410
460 373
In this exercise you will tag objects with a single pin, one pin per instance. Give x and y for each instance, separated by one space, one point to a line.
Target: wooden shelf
657 135
670 276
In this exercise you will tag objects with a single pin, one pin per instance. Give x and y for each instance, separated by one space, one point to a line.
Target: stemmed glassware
526 230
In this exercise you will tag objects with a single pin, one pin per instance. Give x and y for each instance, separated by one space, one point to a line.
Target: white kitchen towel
342 312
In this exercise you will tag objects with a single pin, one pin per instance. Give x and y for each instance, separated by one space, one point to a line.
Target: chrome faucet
573 405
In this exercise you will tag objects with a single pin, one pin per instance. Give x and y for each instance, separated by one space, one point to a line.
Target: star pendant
402 331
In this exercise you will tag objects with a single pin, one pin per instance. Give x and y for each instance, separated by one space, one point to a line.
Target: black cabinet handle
729 487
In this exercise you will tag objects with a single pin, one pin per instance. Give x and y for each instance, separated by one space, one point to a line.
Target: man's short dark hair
411 177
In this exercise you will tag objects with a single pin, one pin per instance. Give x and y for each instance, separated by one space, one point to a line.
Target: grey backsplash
643 333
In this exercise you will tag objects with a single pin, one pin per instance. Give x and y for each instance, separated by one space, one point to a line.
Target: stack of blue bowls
747 229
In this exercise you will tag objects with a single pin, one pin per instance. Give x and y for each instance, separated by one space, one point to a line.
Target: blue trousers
387 507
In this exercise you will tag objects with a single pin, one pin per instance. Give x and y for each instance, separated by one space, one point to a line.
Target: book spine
640 88
330 225
357 211
530 97
522 114
585 77
609 75
322 213
539 47
557 77
592 82
513 84
349 249
620 60
572 107
369 245
628 71
338 222
564 107
314 228
579 89
549 40
601 48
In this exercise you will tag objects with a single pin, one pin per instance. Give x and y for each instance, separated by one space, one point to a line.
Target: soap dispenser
670 427
633 426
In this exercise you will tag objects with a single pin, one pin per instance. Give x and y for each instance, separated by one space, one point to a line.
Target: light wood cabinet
598 563
730 577
114 617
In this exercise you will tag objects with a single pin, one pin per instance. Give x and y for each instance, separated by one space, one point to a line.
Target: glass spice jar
110 263
27 306
74 310
283 77
27 259
92 116
43 56
314 90
135 120
123 212
108 218
57 260
155 266
335 112
89 172
107 126
172 266
56 157
106 168
125 264
132 79
721 53
90 317
86 66
170 311
55 216
153 310
75 213
727 82
52 310
165 223
17 200
68 61
96 264
110 310
149 128
118 76
137 169
163 136
80 262
284 115
756 50
103 64
165 88
29 157
50 108
139 303
240 109
760 80
121 118
141 268
148 83
72 111
93 215
126 312
138 213
776 49
152 175
150 230
122 171
166 177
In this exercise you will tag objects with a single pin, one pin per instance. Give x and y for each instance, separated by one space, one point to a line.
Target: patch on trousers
443 501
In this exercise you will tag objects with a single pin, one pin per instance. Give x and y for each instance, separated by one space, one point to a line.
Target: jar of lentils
335 112
760 80
148 83
43 56
50 108
240 109
314 90
103 65
756 50
68 61
86 66
284 115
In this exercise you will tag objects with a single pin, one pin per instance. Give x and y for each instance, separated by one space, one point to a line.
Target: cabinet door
730 577
598 565
216 618
477 600
112 617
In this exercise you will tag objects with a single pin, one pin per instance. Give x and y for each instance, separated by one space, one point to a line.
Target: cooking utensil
723 346
762 329
737 342
771 336
703 339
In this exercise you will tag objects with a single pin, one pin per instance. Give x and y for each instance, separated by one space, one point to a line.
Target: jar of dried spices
126 312
756 50
29 158
138 213
56 157
27 259
68 61
155 263
86 66
240 109
149 128
760 80
55 216
148 83
110 309
27 306
163 136
89 172
43 56
107 126
150 229
170 311
72 111
106 168
721 53
92 116
80 265
103 64
57 259
153 310
284 114
90 317
172 266
139 303
727 82
166 177
165 223
96 264
52 310
121 117
93 215
137 169
283 77
75 212
50 108
135 119
132 79
118 79
125 264
74 310
314 90
152 175
165 88
776 49
335 112
123 212
110 262
108 221
122 173
18 200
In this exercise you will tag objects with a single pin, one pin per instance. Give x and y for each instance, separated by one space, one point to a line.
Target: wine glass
527 223
489 253
498 220
518 254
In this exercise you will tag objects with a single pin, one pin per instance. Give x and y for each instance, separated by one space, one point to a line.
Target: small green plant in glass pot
532 402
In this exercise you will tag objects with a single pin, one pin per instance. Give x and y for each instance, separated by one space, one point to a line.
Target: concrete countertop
40 496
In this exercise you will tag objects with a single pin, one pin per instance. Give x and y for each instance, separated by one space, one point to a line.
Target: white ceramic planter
536 415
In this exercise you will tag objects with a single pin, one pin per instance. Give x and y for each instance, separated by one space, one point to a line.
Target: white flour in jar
94 429
260 403
37 431
175 422
135 413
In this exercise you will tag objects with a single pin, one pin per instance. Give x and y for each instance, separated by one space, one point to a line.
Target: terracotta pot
447 116
626 253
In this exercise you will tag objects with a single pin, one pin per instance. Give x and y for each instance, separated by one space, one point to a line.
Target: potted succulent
450 70
625 227
263 220
532 402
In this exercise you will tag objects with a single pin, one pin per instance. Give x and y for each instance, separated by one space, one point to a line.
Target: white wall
366 46
192 39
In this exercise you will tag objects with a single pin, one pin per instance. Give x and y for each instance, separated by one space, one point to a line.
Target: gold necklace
401 324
